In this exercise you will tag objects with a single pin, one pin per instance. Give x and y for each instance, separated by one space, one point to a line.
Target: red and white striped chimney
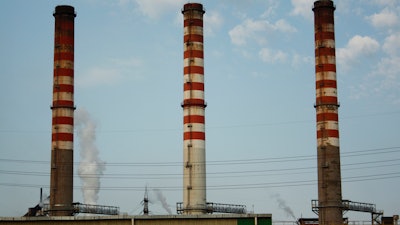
194 168
61 178
329 178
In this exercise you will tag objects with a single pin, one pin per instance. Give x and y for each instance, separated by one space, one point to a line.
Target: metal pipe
194 168
61 178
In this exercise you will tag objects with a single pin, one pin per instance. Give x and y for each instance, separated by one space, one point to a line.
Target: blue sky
259 87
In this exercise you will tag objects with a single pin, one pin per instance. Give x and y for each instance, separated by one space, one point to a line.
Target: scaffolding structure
212 207
88 208
95 209
348 205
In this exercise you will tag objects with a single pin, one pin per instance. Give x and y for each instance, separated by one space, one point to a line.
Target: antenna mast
146 203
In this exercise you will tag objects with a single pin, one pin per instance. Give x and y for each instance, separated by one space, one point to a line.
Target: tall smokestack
194 155
61 181
329 178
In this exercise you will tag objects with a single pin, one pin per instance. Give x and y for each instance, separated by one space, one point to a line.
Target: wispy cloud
155 9
384 78
256 30
272 56
300 60
385 18
357 47
389 70
213 21
98 75
257 33
113 72
271 9
392 44
383 81
302 8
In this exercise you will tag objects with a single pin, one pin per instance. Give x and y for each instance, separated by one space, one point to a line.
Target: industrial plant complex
195 208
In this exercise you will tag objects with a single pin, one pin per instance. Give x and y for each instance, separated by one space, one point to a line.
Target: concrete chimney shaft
326 105
194 168
61 178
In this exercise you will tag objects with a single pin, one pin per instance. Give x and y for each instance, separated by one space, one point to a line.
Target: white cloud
257 30
271 9
212 21
356 47
240 33
383 81
283 26
110 73
98 76
392 45
385 18
384 78
302 8
271 56
154 9
389 70
299 60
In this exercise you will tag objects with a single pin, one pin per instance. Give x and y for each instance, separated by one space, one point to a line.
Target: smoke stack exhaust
194 169
61 178
329 178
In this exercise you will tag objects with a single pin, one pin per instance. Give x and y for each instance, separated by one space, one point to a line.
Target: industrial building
221 219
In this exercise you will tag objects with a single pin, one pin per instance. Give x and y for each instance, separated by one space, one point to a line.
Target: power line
382 176
228 162
207 126
218 174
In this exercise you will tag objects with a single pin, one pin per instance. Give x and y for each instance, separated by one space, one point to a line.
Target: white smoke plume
282 205
44 200
161 198
91 167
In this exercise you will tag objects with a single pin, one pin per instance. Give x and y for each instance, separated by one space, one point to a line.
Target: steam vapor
91 168
161 198
282 205
44 201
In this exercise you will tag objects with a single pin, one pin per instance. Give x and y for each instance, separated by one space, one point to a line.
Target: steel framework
90 209
348 205
212 207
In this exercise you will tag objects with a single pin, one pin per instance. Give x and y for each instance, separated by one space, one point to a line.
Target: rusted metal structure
326 105
61 178
194 168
